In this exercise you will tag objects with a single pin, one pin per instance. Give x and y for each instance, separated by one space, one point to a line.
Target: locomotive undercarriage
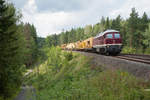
109 49
113 49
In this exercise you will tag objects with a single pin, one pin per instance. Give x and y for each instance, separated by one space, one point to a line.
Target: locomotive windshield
117 35
109 36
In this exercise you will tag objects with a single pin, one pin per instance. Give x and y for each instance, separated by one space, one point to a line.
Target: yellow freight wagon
78 45
88 43
70 46
83 45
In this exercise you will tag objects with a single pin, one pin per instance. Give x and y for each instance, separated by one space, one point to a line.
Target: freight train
107 42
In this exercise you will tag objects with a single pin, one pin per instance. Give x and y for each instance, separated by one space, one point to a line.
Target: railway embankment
138 69
73 76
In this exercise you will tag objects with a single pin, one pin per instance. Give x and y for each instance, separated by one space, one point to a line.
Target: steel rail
141 60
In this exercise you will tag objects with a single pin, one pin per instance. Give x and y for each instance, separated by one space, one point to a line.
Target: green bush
118 85
147 51
68 55
1 98
128 50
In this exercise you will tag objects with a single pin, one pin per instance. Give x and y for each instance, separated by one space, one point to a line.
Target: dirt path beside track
27 93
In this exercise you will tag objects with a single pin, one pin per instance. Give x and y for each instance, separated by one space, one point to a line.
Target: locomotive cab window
117 35
109 36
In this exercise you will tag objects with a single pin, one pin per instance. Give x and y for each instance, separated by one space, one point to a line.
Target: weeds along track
135 57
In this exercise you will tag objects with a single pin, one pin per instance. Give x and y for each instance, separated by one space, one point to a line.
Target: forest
21 48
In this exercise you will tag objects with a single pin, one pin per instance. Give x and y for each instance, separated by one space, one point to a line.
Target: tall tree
35 47
102 21
11 50
96 29
146 41
144 22
33 33
107 24
41 42
31 44
88 29
79 34
133 26
52 40
116 23
62 38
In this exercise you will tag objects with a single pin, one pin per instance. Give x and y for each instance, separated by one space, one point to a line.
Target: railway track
132 57
135 57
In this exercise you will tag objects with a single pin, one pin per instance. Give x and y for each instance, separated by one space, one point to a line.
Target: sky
54 16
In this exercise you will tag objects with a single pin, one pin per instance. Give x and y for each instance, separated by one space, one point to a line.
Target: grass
130 50
71 76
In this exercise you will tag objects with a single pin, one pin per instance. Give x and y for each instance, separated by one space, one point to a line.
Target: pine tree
96 29
116 23
144 22
146 41
107 24
113 25
11 53
35 47
102 21
62 38
88 29
31 44
133 26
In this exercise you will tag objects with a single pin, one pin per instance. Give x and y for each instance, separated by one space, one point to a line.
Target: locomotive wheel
107 53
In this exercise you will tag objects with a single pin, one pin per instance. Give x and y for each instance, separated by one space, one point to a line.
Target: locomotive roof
107 31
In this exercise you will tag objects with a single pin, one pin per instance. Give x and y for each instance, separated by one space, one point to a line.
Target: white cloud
30 7
48 22
125 10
